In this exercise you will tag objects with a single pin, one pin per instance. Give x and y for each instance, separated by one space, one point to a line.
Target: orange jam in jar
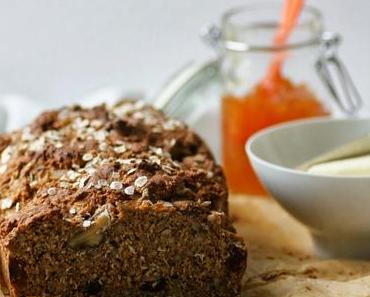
262 107
267 65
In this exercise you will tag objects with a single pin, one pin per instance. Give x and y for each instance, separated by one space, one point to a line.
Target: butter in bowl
350 159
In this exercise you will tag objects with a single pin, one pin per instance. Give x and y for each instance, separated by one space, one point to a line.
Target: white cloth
16 111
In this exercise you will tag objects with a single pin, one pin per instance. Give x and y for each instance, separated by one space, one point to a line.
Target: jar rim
240 46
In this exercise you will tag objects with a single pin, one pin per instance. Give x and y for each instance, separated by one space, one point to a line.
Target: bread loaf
114 201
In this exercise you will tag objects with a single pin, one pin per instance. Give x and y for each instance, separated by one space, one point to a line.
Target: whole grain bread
114 201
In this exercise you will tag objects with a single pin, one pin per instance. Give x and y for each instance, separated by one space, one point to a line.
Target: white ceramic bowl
336 209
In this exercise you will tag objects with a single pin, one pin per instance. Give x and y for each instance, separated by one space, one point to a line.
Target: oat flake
172 142
72 175
97 123
86 223
103 146
82 181
90 170
73 211
115 175
120 149
131 171
37 145
6 155
116 185
167 204
6 203
87 157
140 181
209 174
100 135
52 191
3 168
27 135
130 190
102 182
64 185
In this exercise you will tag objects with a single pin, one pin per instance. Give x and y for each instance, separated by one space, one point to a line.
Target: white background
55 51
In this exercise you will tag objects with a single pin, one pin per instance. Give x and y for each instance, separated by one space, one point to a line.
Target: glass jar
250 102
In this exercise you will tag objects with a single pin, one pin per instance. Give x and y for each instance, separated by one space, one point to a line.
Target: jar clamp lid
346 94
328 65
198 76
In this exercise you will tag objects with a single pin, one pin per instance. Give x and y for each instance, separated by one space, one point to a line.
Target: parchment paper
282 260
